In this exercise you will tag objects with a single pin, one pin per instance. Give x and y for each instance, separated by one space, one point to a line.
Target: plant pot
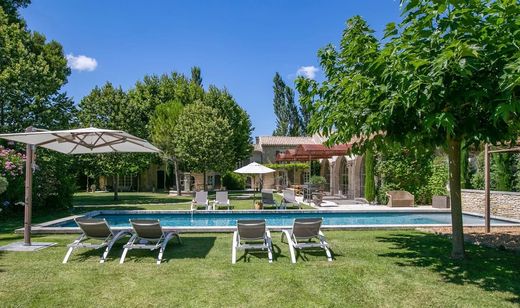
259 206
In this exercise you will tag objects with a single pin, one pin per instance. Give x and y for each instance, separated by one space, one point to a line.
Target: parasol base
20 246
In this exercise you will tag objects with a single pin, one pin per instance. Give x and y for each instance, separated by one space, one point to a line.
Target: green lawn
371 268
156 200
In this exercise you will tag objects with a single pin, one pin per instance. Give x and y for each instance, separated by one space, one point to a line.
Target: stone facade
503 204
344 174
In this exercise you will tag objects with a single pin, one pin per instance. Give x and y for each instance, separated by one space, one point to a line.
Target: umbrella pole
29 158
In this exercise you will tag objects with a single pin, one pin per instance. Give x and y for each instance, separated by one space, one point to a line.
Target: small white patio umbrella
254 169
75 141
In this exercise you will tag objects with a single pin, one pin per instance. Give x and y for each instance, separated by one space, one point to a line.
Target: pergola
308 152
487 180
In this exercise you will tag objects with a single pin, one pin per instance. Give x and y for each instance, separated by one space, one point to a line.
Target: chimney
257 140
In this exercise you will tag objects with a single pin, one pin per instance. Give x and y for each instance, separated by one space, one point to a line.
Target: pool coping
48 228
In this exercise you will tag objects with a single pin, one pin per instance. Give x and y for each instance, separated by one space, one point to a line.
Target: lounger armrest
322 238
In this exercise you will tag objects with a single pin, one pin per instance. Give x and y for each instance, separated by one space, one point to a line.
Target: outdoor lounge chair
97 229
302 234
289 198
201 199
399 198
268 198
252 235
148 234
222 200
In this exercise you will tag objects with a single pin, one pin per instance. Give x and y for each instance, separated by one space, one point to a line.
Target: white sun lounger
148 234
97 229
251 235
305 230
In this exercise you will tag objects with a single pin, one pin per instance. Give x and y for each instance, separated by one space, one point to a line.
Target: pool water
227 219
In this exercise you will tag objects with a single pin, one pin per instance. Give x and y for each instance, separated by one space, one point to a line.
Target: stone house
344 174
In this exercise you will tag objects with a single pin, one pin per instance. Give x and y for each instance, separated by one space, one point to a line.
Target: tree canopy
448 73
203 139
32 71
162 130
108 107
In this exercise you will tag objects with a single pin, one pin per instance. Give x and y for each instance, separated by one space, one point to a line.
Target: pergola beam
487 182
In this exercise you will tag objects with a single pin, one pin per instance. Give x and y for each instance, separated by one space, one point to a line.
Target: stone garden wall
505 204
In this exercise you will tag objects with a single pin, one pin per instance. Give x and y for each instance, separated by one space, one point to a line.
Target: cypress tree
370 185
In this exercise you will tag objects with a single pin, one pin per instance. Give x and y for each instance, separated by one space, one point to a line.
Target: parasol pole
29 161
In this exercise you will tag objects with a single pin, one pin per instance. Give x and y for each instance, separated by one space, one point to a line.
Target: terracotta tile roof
285 140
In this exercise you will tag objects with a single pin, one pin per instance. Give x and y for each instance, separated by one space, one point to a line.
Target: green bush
54 182
404 169
318 180
234 181
438 180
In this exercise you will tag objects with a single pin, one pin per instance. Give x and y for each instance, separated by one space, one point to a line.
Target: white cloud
307 71
81 63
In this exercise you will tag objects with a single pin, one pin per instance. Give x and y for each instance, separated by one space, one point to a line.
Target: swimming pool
226 220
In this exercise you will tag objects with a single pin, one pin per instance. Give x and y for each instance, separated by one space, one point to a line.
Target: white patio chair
222 200
201 200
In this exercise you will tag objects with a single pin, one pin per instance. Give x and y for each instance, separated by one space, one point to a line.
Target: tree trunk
116 187
177 177
204 181
456 202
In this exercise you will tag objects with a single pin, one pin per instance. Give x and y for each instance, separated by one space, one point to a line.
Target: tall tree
303 87
196 76
108 107
464 167
280 107
162 127
31 73
203 140
446 75
288 119
11 7
237 118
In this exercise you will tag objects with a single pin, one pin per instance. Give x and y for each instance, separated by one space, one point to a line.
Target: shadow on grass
489 269
191 248
246 255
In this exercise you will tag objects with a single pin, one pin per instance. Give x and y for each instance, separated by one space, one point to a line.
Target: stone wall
504 204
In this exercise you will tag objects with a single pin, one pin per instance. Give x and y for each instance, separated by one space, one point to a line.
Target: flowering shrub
11 163
53 182
12 169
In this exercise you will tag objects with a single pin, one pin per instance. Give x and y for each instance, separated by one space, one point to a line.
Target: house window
306 177
211 180
126 182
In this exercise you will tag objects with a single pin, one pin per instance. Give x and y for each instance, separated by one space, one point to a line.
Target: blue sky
238 44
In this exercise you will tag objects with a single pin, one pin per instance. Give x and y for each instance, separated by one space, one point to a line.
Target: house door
343 179
160 179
